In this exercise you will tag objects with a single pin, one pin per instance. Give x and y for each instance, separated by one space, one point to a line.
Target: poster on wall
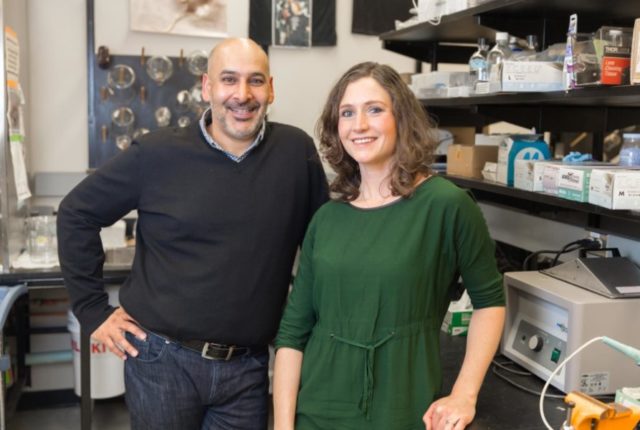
205 18
292 23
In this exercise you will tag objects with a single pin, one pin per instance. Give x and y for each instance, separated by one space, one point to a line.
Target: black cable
601 397
522 387
569 247
582 243
525 263
503 366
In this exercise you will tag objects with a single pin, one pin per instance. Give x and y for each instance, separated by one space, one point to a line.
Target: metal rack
592 109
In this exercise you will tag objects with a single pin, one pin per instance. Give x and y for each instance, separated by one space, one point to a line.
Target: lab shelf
587 109
595 218
547 18
615 96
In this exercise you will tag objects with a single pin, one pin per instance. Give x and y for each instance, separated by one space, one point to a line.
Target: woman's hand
450 413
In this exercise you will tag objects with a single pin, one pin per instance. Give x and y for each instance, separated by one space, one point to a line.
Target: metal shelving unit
591 109
585 215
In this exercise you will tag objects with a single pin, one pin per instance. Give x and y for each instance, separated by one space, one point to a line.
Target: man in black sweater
222 208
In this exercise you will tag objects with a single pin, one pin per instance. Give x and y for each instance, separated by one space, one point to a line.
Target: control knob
535 343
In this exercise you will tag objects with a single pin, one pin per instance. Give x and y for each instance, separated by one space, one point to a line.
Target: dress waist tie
369 357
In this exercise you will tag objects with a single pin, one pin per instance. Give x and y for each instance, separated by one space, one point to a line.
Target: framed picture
205 18
292 23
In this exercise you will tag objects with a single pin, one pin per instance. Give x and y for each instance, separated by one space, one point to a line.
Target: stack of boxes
523 161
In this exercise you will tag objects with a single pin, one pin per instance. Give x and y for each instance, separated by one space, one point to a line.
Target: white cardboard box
573 182
536 76
528 174
550 178
615 189
489 139
489 171
523 174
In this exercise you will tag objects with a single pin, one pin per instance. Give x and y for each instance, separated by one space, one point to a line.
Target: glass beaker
183 101
120 80
159 68
138 132
123 142
184 121
198 104
197 62
42 244
163 116
122 120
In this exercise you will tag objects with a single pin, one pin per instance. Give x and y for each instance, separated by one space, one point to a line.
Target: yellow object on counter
589 413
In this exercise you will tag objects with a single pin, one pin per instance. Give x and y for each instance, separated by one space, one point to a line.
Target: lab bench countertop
34 278
501 406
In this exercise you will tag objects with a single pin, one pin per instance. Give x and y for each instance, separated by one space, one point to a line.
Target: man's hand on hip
111 333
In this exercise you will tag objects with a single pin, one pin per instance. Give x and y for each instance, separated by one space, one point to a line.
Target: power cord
569 247
510 381
589 244
507 379
508 369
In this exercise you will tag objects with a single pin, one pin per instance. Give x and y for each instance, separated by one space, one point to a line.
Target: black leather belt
212 350
215 351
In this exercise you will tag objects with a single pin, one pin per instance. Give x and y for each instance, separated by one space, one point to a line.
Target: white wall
58 109
57 106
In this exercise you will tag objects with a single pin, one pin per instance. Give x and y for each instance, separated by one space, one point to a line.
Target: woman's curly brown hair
414 143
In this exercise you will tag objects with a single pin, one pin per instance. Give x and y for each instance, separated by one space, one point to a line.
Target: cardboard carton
468 161
615 189
531 76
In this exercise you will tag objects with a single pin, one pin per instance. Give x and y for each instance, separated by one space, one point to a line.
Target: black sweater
215 239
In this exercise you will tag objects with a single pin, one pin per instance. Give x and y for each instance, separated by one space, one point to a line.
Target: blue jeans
169 387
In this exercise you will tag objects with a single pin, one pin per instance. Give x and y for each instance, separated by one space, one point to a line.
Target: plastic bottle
630 151
495 58
532 43
478 66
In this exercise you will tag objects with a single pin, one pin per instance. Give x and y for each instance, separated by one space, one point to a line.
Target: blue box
519 147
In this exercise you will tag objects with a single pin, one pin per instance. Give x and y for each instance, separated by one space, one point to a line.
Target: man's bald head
238 46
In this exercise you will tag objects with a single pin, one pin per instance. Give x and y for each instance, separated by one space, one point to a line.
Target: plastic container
478 66
42 244
495 58
630 151
107 370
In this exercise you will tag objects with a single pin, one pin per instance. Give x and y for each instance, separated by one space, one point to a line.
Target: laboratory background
537 106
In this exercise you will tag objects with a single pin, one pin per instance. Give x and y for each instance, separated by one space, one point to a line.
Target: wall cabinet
598 110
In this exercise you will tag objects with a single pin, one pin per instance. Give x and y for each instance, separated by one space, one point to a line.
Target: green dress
368 300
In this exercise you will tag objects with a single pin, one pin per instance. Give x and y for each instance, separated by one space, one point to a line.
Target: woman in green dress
358 345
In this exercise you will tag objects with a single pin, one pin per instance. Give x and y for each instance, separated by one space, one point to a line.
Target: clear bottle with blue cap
630 151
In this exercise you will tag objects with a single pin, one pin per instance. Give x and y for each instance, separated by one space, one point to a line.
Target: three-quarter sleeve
476 256
300 314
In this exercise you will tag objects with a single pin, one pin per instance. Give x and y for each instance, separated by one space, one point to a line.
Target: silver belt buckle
230 353
205 349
